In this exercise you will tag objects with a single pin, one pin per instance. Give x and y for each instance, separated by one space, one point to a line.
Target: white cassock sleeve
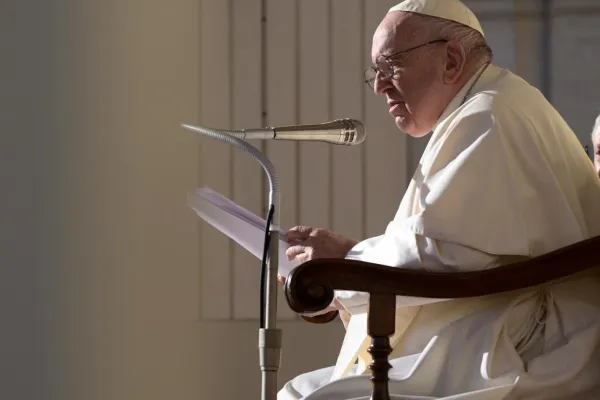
463 210
412 251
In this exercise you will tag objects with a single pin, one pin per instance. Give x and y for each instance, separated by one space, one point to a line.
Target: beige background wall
110 288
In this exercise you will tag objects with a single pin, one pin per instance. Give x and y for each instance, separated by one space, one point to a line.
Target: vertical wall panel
215 110
575 60
527 33
347 100
315 182
247 172
282 74
385 169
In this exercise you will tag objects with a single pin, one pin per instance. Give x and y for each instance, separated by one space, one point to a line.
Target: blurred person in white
596 144
503 178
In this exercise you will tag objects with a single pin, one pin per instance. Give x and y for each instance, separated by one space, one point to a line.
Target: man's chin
408 126
405 125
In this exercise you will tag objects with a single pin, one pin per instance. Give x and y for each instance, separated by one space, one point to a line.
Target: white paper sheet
246 228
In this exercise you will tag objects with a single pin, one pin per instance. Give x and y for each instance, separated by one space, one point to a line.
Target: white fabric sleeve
403 248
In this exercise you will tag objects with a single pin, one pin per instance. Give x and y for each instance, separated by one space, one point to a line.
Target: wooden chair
310 288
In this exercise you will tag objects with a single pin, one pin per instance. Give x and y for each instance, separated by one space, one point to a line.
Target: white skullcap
452 10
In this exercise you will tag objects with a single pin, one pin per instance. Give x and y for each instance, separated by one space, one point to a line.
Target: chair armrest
310 287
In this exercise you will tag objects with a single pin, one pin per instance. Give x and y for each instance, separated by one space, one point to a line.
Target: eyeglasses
385 64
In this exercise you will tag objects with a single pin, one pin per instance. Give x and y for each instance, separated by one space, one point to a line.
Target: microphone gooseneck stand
269 337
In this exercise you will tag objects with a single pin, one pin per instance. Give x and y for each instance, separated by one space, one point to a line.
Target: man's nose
381 83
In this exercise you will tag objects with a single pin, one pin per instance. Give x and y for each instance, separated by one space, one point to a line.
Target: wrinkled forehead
397 31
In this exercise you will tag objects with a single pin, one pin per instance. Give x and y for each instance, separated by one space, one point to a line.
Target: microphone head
355 132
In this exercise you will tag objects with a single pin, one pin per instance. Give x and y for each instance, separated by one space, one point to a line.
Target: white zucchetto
453 10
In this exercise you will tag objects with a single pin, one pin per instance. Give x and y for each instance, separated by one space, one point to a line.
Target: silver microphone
341 131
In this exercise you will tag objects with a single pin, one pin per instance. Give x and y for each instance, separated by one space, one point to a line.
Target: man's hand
308 243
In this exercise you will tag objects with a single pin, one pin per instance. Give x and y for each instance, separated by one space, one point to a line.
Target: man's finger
302 258
298 233
294 251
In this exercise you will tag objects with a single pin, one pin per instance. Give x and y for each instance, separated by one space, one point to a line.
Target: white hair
475 45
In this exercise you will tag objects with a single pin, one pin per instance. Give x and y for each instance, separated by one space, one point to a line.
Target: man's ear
456 59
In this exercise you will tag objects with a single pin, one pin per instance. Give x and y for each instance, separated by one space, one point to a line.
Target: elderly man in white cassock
503 178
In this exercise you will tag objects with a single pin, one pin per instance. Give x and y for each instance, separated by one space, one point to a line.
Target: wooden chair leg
381 325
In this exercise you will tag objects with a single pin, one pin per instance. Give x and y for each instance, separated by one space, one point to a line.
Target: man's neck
469 71
460 89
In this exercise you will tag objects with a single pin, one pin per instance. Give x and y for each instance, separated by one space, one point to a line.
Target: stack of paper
239 224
